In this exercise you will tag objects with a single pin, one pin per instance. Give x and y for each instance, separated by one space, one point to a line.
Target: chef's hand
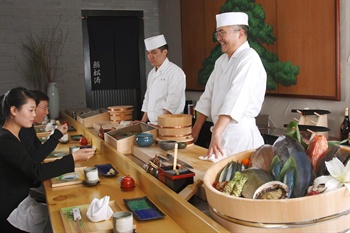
135 122
216 136
215 146
63 128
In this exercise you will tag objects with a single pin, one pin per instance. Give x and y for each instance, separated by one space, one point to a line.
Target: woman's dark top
17 172
39 151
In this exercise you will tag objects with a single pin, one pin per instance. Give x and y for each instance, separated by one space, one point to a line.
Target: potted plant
42 54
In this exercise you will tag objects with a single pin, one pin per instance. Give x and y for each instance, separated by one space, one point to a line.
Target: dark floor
200 204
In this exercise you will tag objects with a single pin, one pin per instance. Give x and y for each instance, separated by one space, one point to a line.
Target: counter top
181 216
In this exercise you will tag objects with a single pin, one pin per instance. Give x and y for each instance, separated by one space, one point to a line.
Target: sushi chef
166 83
234 92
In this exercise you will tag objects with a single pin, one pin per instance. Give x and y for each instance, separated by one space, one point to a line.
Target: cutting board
189 155
58 181
85 225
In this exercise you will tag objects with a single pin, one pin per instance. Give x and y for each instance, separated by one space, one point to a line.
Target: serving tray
143 209
76 177
85 225
57 154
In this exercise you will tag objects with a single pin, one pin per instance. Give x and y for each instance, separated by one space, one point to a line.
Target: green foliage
41 55
259 33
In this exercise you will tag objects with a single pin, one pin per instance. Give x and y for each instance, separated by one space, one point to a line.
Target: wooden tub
327 212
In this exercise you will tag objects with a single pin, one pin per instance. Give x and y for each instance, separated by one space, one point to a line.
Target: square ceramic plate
143 209
76 137
105 170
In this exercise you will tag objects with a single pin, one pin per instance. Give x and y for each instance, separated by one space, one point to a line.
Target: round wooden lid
120 108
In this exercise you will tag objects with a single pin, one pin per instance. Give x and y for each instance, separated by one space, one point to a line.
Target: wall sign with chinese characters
96 72
114 58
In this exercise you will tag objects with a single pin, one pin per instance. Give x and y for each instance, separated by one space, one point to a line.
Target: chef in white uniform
234 92
166 83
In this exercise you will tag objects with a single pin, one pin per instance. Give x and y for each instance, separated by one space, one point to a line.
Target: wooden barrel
170 132
176 127
174 120
120 113
326 212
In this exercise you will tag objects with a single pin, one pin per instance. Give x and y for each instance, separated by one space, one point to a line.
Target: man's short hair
41 96
164 47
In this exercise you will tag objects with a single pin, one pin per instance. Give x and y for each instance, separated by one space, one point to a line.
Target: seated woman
18 169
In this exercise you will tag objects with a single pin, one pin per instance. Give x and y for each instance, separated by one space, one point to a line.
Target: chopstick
175 157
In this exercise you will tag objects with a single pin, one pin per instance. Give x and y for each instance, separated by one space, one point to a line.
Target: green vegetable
235 186
293 131
333 143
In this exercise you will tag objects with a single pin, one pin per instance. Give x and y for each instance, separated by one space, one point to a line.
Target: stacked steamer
177 127
120 113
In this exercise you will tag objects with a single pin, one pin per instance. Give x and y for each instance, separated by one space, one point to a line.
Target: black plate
103 170
76 137
143 209
71 128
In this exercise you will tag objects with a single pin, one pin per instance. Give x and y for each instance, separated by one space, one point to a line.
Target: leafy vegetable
235 186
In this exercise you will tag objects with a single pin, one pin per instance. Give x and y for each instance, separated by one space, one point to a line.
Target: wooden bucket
327 212
174 120
176 127
120 113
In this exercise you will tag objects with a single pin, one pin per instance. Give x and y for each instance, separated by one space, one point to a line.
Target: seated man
39 151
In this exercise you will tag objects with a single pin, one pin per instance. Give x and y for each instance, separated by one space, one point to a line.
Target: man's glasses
223 33
43 108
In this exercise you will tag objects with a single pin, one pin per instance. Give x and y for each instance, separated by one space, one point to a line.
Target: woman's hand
83 154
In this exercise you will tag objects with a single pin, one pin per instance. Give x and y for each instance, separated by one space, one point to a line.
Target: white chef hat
231 18
155 42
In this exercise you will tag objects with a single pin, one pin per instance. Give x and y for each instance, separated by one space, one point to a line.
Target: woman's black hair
15 97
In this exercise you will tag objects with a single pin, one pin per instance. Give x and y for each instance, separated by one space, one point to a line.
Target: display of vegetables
286 169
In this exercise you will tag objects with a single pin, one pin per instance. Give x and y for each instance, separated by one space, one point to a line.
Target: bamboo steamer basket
327 212
174 120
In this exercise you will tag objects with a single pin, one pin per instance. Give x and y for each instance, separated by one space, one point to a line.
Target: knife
311 111
170 159
312 128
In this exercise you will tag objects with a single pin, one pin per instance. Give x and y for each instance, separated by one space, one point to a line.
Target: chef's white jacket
165 90
236 87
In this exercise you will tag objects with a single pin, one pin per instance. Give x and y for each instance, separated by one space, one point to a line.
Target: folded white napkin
212 157
99 210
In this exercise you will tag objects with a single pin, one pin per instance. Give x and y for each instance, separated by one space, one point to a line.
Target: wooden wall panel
307 34
197 25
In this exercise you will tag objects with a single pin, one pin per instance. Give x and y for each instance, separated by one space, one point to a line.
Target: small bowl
127 183
144 139
170 145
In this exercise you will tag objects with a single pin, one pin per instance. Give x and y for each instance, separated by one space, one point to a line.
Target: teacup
73 149
123 222
91 175
64 139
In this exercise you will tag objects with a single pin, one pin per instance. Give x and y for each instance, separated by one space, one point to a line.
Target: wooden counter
181 216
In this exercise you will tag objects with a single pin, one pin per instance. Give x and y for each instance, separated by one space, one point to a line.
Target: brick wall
17 17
